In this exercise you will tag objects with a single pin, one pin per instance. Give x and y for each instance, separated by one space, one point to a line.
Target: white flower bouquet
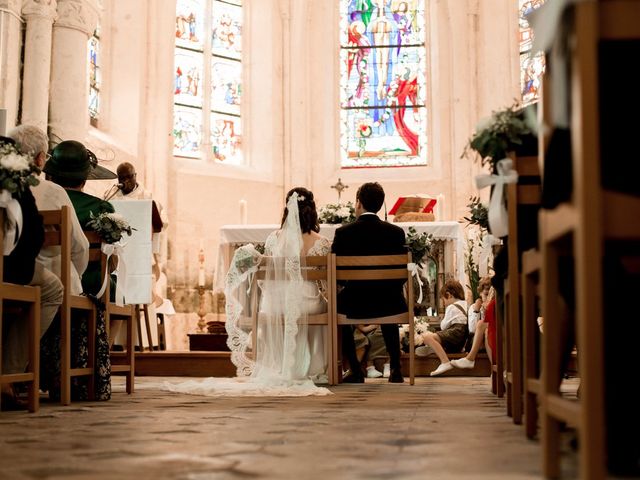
17 173
334 213
421 326
110 226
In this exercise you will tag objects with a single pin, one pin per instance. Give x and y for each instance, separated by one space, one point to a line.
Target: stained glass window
383 112
94 77
531 64
219 54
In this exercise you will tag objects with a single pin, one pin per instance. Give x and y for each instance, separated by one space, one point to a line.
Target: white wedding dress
290 355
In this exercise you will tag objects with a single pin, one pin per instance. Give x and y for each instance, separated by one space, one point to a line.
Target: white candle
243 211
201 276
440 208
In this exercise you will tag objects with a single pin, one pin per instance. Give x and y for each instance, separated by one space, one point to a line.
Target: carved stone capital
78 15
39 8
14 6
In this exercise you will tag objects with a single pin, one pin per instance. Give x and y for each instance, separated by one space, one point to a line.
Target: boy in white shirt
453 328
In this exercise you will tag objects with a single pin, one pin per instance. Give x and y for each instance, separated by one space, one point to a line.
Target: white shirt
50 196
453 315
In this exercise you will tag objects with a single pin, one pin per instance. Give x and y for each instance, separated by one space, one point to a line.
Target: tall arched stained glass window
94 77
208 80
531 65
383 112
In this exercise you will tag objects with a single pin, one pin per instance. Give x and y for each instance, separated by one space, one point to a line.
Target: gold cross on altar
339 186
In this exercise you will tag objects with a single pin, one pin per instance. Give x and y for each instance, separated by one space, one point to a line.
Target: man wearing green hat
70 166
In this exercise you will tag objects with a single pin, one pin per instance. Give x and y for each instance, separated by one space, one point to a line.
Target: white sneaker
442 368
387 370
463 363
372 372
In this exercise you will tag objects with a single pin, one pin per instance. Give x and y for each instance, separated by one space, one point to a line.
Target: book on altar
413 203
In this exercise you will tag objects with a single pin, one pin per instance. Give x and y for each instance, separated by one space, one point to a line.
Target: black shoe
396 376
351 378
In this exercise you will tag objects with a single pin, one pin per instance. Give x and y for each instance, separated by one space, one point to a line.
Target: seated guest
484 310
453 328
70 166
20 267
369 235
33 142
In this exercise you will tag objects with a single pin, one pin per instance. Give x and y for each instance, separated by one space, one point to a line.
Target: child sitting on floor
454 331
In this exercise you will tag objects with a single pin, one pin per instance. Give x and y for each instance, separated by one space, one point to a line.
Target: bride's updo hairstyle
306 209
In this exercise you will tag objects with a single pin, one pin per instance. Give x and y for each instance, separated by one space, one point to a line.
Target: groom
369 235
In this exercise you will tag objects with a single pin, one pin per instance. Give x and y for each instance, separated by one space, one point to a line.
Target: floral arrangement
497 135
478 213
421 325
337 213
110 226
472 269
17 173
246 257
419 245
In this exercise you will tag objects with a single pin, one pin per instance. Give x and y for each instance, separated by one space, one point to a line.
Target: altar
447 254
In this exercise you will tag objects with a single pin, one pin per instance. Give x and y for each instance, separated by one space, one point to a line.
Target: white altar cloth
234 235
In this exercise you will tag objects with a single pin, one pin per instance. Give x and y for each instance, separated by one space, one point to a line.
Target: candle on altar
440 208
201 276
243 211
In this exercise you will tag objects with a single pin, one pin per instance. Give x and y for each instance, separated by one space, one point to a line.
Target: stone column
39 16
69 115
10 46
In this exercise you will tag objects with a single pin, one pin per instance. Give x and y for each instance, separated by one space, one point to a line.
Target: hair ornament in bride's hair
301 198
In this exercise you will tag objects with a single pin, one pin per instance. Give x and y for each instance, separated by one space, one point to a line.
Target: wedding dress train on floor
290 354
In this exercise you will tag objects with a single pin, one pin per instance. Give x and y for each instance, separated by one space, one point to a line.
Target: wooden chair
142 311
531 260
29 296
320 269
366 268
525 193
58 233
120 362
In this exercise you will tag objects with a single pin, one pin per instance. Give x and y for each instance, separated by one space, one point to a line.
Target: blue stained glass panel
226 32
189 24
187 131
382 83
226 138
226 85
531 65
188 77
94 76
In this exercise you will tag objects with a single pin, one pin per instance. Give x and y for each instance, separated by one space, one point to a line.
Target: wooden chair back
316 268
57 224
29 296
121 362
372 268
526 192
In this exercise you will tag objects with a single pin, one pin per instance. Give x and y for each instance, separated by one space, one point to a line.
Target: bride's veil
282 355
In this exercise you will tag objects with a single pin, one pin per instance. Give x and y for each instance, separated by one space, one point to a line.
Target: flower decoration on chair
497 135
17 173
478 213
419 244
421 325
335 213
110 226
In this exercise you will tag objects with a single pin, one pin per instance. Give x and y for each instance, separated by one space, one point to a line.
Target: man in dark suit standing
369 235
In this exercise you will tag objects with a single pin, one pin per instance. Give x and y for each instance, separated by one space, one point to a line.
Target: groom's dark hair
371 196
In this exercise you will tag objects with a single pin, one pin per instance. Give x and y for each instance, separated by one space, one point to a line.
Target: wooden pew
29 296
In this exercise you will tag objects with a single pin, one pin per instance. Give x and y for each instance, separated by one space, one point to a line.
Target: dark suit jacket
366 299
19 265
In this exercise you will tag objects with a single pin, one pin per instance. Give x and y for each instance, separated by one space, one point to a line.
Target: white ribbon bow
121 270
415 272
498 220
13 221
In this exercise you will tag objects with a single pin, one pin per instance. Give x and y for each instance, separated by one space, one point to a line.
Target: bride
290 355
